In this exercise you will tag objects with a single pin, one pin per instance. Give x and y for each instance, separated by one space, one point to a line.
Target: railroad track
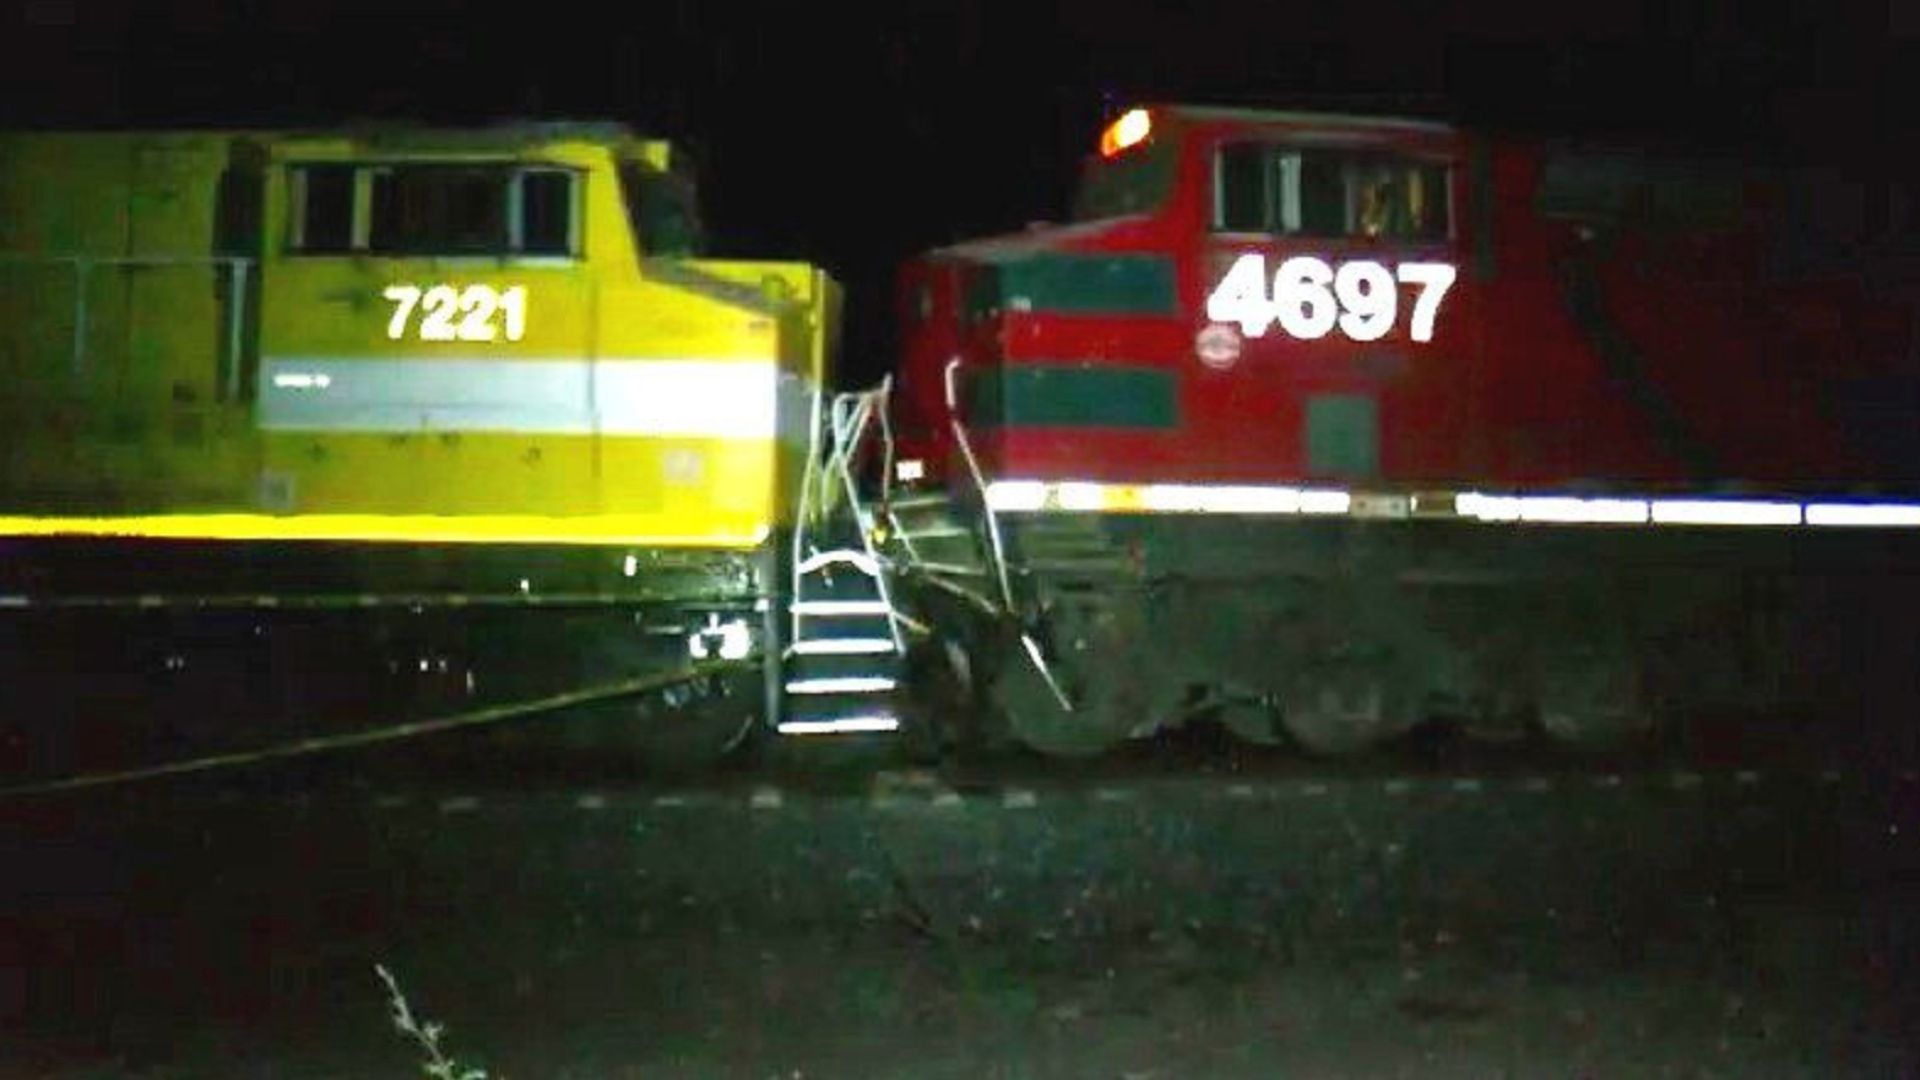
1013 789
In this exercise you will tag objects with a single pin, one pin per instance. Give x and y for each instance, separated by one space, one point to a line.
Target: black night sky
856 140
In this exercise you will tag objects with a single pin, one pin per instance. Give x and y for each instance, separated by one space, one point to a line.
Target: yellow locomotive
408 383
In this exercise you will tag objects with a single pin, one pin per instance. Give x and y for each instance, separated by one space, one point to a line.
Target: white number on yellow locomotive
456 313
1309 298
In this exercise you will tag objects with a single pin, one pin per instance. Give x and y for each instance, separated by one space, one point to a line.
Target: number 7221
456 313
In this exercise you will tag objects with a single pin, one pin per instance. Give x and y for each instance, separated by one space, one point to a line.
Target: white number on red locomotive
1310 298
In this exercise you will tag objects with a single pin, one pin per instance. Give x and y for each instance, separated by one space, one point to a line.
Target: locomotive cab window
1135 182
545 215
502 211
435 210
1297 191
662 212
322 214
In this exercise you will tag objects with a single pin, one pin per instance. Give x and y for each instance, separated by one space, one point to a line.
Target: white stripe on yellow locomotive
576 384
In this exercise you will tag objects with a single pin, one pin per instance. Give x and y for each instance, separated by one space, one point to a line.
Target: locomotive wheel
1346 707
1036 719
1252 721
1103 676
1501 718
1594 700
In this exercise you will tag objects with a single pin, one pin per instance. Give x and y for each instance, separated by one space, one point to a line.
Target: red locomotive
1330 425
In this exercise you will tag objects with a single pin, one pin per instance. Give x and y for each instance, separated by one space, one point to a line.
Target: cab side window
322 208
431 209
546 213
435 210
1285 190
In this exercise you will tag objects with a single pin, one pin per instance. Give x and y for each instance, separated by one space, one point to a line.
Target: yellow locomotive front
475 395
463 340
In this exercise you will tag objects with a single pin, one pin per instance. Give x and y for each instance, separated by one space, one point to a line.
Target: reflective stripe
1560 509
842 607
1028 496
843 647
562 396
850 684
845 725
1724 512
1870 514
1017 495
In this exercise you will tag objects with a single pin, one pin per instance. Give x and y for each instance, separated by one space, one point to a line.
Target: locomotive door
173 373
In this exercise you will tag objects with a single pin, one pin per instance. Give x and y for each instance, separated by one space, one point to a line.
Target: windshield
662 212
1136 182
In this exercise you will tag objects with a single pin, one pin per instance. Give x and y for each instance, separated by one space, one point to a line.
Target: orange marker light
1131 129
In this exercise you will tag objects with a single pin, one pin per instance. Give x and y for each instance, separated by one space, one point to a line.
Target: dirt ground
1757 924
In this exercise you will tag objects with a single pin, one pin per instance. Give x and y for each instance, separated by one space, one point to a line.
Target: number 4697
450 313
1309 297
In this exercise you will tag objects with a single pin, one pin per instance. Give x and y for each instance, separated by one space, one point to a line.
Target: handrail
801 511
862 405
886 444
980 482
1030 646
847 418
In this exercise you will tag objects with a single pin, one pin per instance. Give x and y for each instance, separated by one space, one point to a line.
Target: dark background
855 141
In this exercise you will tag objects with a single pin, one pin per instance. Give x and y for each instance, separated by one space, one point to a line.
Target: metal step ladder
932 544
843 666
932 536
844 657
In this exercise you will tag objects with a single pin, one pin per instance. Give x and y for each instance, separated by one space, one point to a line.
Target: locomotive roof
478 136
1242 114
498 134
509 138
